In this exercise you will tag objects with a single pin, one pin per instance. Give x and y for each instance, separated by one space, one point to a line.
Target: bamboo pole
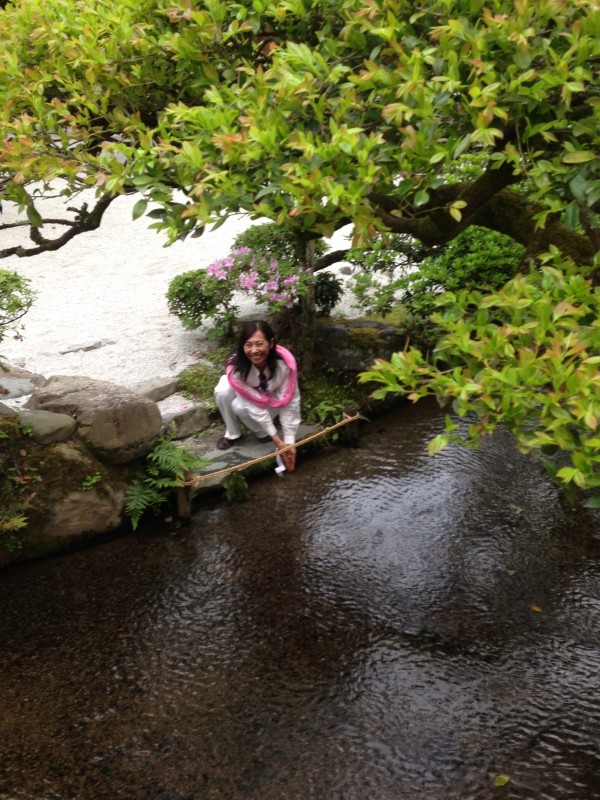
196 480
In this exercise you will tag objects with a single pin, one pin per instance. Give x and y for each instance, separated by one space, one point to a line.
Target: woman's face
257 349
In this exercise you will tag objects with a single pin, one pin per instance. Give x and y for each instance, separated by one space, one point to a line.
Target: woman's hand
289 457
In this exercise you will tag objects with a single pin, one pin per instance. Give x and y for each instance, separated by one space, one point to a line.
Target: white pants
234 409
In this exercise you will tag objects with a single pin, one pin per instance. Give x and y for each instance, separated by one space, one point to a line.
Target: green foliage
398 266
383 263
251 268
328 292
166 466
16 298
525 356
308 114
199 380
478 258
10 525
327 393
236 487
196 296
17 484
274 241
90 481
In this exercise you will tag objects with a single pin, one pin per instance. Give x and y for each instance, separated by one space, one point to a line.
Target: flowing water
379 626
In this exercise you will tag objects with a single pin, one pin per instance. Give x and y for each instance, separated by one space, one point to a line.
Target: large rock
7 411
186 422
18 382
71 497
156 389
85 513
117 424
354 344
47 427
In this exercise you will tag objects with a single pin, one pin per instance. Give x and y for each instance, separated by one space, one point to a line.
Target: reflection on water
380 625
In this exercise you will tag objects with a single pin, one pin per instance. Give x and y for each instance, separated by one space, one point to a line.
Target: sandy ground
108 286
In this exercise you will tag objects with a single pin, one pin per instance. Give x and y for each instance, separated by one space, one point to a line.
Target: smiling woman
260 385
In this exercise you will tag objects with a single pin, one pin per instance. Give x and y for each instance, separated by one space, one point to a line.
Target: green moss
199 380
365 337
34 479
327 393
399 316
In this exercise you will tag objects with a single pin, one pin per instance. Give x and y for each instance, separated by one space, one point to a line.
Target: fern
236 487
165 468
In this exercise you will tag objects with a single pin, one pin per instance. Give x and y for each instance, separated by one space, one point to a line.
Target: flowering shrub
262 277
198 295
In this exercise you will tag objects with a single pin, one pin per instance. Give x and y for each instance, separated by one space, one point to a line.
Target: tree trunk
302 322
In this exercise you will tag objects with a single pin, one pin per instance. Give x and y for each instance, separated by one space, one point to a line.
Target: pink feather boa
265 400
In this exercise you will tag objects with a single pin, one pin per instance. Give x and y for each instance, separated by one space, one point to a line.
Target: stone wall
69 449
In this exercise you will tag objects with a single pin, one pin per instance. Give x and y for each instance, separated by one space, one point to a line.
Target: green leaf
139 208
34 216
421 197
501 780
593 502
578 185
572 216
437 444
522 58
437 157
579 157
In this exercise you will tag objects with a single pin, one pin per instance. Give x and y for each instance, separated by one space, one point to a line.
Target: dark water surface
379 626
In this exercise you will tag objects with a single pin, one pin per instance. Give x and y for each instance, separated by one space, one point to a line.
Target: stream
380 625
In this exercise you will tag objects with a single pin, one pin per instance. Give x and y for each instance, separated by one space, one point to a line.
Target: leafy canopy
526 356
312 113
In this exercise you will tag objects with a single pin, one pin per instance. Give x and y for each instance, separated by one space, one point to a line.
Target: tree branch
491 204
84 221
330 258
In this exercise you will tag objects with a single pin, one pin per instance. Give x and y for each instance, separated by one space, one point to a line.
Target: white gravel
108 286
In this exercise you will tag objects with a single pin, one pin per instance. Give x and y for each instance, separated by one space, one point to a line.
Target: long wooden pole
196 480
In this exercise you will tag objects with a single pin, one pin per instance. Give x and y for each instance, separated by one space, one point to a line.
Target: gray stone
7 411
46 427
118 425
15 387
186 422
156 389
87 346
98 510
18 382
355 344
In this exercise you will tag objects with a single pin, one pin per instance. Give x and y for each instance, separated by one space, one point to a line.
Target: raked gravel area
101 309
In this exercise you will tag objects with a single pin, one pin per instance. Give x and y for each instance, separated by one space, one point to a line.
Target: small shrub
327 393
199 380
16 298
478 258
262 263
195 296
328 292
272 241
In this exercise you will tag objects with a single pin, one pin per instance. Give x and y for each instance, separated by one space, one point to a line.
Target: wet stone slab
247 449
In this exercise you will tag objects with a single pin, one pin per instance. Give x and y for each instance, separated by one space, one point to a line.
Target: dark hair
240 360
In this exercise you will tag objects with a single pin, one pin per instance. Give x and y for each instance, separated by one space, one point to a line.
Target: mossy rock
355 344
63 492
